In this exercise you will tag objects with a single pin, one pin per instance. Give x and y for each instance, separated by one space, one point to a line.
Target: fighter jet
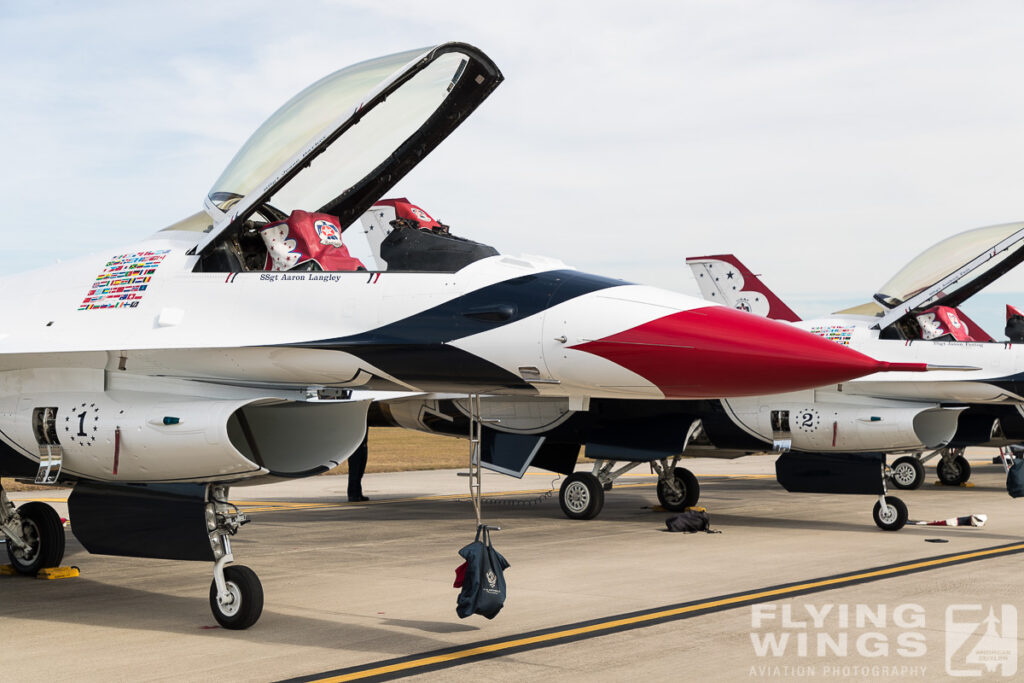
977 400
973 396
245 343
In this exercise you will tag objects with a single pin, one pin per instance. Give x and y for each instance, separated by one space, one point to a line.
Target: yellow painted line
266 505
654 616
277 505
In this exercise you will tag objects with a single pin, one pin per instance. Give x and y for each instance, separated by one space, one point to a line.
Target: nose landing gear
236 594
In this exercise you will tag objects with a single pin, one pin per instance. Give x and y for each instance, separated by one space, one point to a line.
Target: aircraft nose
714 351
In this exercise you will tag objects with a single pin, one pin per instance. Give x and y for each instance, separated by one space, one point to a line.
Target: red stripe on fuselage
717 352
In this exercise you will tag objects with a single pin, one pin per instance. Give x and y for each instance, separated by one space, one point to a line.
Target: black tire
248 591
895 517
42 528
688 484
953 473
581 496
907 473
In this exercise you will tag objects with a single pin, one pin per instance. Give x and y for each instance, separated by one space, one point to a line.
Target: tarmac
795 587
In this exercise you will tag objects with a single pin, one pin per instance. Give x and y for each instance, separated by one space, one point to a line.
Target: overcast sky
825 143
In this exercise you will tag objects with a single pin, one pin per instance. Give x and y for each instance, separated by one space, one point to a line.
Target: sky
824 143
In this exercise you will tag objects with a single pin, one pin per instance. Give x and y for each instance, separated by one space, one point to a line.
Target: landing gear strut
236 594
678 489
35 535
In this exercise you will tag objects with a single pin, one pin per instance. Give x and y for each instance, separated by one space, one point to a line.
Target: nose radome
719 352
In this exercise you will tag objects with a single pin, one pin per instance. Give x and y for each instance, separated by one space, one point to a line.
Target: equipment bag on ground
690 521
483 580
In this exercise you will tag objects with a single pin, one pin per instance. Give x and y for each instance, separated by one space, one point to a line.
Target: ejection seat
307 241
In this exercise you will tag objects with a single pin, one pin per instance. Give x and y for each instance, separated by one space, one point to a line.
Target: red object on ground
405 209
306 237
716 351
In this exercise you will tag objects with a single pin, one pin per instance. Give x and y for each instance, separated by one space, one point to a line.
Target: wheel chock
7 570
697 508
967 485
51 573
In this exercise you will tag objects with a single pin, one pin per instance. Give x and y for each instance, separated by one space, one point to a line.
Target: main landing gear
907 473
952 468
236 594
582 493
35 535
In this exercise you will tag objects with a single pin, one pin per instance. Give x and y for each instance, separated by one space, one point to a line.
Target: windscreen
292 126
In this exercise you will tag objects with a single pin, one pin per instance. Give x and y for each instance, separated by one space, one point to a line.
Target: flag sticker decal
123 281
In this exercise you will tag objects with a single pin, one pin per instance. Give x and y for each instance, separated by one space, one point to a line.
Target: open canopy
952 271
341 143
947 257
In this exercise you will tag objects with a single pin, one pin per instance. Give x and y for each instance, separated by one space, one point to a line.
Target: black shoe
357 499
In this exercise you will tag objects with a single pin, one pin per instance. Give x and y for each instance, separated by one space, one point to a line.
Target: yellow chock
967 485
697 508
58 573
7 570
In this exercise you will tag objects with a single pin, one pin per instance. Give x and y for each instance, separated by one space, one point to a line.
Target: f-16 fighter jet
245 343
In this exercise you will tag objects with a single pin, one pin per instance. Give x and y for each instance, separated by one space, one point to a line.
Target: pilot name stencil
311 277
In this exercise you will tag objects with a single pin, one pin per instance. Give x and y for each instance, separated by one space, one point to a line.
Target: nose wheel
239 605
236 594
890 513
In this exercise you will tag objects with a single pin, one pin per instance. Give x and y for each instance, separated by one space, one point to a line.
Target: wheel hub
887 514
675 492
577 496
232 602
30 534
904 474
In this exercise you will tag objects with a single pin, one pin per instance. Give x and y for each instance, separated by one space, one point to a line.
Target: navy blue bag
1015 479
483 584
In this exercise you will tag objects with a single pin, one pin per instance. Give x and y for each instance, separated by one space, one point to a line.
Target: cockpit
923 300
394 235
305 191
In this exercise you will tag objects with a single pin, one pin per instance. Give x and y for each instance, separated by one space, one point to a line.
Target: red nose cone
718 352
